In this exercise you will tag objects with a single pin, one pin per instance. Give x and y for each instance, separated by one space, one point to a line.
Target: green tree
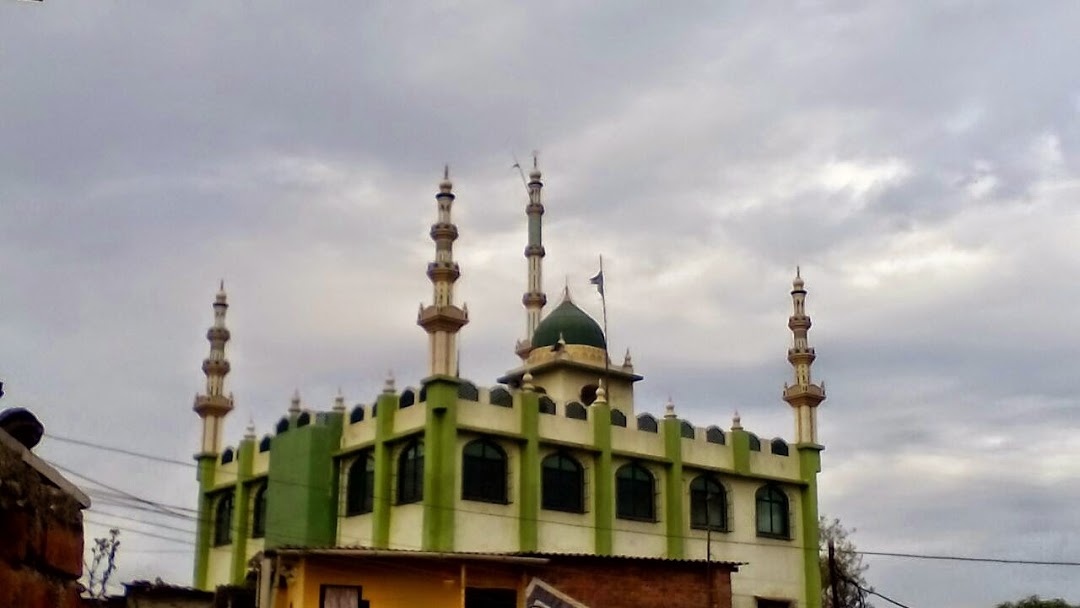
1034 601
851 581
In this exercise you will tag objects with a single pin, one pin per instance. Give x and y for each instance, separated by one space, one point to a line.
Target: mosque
552 463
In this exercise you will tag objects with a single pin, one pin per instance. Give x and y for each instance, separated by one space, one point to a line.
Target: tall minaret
534 298
213 405
804 396
443 319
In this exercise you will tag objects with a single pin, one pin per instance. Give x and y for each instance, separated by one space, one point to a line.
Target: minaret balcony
218 334
800 322
531 299
807 350
443 271
212 405
444 232
536 208
216 367
442 318
808 392
534 249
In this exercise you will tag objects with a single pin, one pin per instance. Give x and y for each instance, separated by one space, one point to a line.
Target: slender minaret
213 405
804 396
443 319
534 298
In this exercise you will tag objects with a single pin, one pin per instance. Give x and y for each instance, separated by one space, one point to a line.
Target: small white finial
736 422
527 382
798 282
601 394
220 297
388 387
294 404
339 401
627 362
250 431
669 408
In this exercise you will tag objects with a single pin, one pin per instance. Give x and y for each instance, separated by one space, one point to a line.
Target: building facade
553 459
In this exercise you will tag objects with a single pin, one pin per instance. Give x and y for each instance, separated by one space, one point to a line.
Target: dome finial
736 422
601 392
249 433
339 401
669 408
388 386
294 404
527 382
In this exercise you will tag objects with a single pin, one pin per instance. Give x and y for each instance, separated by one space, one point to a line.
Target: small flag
598 280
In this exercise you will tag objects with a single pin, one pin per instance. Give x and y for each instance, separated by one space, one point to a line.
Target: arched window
483 475
227 456
576 411
360 488
646 423
588 394
282 426
779 447
423 394
258 513
264 445
357 414
500 396
708 504
772 512
562 484
410 481
635 495
618 418
303 419
408 397
374 408
713 434
223 513
686 429
547 405
755 443
467 391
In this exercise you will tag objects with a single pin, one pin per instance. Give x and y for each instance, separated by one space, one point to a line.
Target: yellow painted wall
394 583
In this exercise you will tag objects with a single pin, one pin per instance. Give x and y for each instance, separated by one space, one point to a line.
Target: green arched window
708 504
360 488
562 484
410 482
772 512
483 472
258 513
223 514
635 493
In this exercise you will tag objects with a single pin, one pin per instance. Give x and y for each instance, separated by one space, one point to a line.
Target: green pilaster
673 494
205 477
740 447
603 501
529 486
301 504
440 463
386 409
809 467
245 457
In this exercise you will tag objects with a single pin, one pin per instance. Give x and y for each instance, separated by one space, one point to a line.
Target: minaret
804 396
213 405
534 298
443 319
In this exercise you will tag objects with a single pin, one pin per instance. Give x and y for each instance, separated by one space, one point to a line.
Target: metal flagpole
598 280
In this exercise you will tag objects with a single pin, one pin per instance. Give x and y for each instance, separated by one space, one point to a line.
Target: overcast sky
918 160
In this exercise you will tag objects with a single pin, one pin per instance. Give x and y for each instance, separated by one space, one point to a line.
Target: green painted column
740 448
245 457
440 463
203 529
603 498
809 467
382 507
529 480
673 494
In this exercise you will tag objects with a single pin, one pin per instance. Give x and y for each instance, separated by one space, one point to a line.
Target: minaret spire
804 396
443 319
213 405
534 298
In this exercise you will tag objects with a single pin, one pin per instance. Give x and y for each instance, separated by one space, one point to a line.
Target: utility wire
98 446
959 558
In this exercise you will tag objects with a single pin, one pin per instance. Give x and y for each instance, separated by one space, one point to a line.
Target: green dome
573 324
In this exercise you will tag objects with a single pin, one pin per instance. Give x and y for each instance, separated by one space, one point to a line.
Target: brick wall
628 583
41 539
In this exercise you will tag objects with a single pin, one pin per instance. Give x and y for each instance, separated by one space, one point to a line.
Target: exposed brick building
41 531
